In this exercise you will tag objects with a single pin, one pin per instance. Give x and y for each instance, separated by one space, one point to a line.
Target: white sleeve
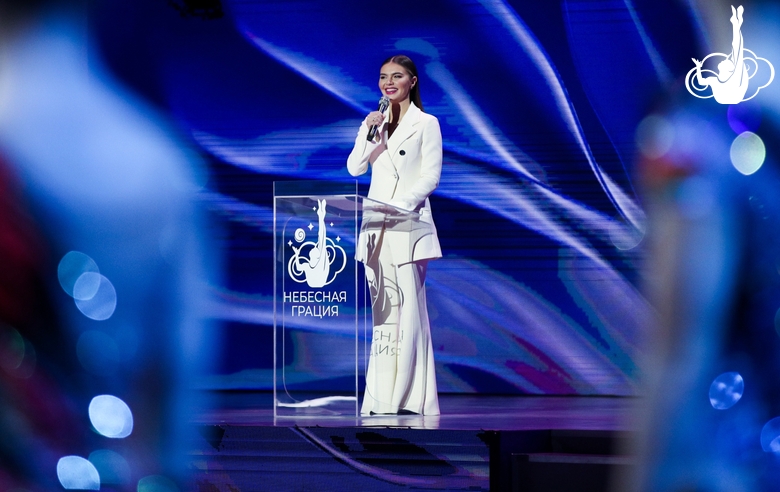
358 160
430 165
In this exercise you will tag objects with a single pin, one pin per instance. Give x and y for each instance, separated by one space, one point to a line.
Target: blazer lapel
406 129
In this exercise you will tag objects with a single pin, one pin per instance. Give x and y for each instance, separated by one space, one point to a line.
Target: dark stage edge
479 443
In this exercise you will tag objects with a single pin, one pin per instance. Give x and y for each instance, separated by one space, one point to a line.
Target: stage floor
458 412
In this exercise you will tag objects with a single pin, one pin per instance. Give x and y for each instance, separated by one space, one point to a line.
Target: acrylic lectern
322 310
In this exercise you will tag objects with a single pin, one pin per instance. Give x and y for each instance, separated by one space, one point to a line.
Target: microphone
383 104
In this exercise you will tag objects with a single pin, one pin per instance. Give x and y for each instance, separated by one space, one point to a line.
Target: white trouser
401 372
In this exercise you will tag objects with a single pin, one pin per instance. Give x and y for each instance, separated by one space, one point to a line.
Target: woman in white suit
405 159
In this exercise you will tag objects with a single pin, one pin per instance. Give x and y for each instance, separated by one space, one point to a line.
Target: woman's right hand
374 118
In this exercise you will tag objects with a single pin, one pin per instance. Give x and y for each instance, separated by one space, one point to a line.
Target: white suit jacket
405 169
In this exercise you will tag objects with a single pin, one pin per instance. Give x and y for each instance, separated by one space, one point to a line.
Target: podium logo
730 84
316 263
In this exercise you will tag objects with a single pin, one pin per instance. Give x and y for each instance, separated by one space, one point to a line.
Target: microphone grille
384 102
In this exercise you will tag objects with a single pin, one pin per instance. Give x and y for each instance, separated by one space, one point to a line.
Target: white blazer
405 169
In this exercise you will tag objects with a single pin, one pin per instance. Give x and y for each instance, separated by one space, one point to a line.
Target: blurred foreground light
625 237
157 483
72 266
654 136
11 349
86 286
112 467
726 390
744 117
770 436
110 416
17 355
747 153
75 472
102 304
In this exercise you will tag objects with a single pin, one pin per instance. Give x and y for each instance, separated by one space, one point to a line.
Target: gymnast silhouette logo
735 70
318 263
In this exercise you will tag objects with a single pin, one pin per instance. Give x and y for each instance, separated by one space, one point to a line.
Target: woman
405 158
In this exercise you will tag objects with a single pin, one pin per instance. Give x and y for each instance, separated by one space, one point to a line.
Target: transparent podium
322 308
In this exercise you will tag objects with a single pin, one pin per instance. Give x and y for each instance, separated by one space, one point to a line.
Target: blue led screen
538 213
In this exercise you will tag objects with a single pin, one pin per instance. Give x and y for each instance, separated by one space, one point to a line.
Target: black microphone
383 104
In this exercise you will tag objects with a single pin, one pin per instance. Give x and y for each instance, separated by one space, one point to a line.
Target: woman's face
395 82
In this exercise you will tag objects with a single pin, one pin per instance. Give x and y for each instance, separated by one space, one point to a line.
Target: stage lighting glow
86 286
75 472
726 390
654 136
770 436
110 416
157 483
102 304
71 267
97 352
112 466
747 153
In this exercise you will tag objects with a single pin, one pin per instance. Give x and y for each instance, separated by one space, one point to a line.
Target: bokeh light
744 117
17 355
97 352
110 416
726 390
654 136
102 305
770 436
86 286
112 467
747 153
157 483
625 237
11 349
75 472
30 361
72 266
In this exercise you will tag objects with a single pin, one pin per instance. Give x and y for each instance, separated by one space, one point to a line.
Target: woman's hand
374 118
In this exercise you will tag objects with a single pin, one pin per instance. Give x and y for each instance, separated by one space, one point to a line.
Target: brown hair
411 69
